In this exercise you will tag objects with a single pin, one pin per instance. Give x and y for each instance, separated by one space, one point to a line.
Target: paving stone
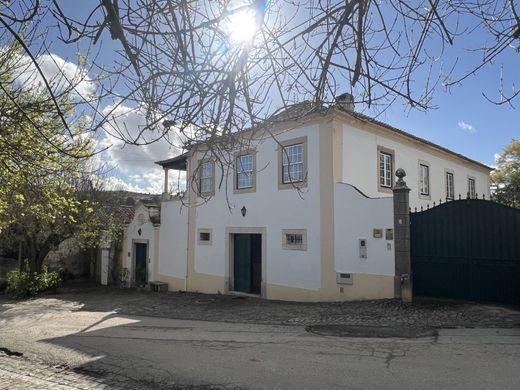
18 373
227 308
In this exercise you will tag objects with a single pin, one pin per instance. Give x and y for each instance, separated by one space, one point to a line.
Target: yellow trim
205 283
174 284
364 287
326 169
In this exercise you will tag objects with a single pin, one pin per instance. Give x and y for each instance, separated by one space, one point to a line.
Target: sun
241 26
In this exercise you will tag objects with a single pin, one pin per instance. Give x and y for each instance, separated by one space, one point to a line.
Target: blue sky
464 121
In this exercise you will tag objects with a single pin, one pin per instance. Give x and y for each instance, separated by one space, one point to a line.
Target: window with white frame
450 186
292 164
471 188
295 239
424 179
385 169
206 177
244 171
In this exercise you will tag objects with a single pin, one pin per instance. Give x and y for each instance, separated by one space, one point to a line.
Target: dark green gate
467 249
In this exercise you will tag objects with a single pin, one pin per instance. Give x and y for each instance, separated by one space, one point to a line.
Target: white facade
340 218
356 218
360 165
173 242
141 231
271 209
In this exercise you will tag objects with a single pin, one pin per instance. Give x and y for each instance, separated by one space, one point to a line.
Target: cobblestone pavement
83 299
240 309
18 373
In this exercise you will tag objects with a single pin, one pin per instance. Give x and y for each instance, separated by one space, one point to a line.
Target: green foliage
24 284
45 172
506 177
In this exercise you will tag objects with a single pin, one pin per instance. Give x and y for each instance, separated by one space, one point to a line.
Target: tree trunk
20 263
31 255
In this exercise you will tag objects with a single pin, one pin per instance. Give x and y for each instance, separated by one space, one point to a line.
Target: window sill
244 190
387 190
294 185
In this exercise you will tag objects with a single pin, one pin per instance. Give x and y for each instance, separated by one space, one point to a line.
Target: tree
44 166
203 69
506 177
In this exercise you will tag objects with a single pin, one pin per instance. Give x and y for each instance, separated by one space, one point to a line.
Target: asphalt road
112 347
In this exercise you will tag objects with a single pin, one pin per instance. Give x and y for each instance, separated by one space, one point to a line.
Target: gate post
403 268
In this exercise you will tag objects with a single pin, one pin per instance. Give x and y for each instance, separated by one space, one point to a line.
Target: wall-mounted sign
389 234
378 233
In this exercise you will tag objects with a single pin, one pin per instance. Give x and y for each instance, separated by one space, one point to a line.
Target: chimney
345 101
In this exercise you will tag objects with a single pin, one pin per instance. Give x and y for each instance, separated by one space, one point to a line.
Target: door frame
132 271
230 249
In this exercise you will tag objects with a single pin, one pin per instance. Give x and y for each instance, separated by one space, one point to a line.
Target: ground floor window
295 239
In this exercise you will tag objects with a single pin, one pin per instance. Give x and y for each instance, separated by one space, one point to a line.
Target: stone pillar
403 266
166 189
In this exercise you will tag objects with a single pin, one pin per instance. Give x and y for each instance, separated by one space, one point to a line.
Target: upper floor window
424 179
206 176
292 163
450 186
471 188
244 171
385 169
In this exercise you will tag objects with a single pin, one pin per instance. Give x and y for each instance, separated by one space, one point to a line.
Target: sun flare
242 26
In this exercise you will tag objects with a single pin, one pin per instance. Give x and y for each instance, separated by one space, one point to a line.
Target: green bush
24 284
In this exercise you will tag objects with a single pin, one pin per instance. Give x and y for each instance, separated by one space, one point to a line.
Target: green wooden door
140 264
242 263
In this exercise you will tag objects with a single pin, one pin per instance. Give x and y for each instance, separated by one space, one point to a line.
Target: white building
306 214
140 246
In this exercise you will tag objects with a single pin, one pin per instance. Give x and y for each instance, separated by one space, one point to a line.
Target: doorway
247 263
141 260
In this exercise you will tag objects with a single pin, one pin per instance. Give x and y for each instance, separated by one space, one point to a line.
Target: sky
464 120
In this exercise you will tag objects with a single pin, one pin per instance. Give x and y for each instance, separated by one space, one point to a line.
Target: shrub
24 284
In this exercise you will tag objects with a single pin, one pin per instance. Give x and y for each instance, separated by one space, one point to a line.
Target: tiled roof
307 108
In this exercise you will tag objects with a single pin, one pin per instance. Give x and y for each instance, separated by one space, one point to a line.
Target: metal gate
467 249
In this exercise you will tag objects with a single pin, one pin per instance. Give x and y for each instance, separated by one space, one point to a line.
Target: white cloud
133 165
59 73
467 127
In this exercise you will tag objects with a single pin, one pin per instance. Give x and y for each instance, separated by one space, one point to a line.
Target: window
206 177
450 189
204 237
294 239
385 168
471 188
245 176
424 179
292 164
